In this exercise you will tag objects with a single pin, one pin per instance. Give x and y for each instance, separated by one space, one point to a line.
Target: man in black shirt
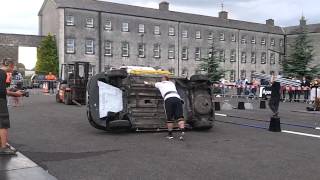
4 114
275 97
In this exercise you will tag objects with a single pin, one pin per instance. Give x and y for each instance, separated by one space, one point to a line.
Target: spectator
296 91
306 88
239 87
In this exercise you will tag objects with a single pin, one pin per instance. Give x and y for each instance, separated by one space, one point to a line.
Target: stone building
111 35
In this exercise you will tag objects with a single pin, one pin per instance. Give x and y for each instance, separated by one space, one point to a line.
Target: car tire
202 125
58 100
202 103
120 124
118 73
199 78
94 124
67 98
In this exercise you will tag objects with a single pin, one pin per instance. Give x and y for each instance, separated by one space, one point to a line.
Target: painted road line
218 114
300 133
318 128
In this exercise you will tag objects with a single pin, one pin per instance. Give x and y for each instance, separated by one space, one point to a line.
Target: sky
21 16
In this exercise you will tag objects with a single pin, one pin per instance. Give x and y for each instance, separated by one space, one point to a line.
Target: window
232 75
281 42
233 56
171 31
263 58
70 46
141 50
243 39
210 36
108 48
233 37
221 56
272 58
253 58
125 27
221 36
243 74
272 42
125 49
156 50
253 40
108 25
263 41
252 75
243 57
280 59
89 23
185 53
198 53
92 70
156 30
141 28
69 20
89 49
198 34
185 34
171 51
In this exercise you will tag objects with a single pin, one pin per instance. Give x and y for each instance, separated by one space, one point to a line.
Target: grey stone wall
9 44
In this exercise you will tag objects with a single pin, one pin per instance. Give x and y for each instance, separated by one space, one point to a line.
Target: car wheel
67 98
202 103
199 77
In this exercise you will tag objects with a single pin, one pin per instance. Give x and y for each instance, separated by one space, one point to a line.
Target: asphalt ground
59 139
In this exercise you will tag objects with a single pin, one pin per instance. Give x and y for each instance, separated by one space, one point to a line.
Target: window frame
197 53
141 28
243 39
223 55
89 24
125 47
73 46
222 36
171 50
108 48
156 30
125 27
70 22
243 57
253 40
253 57
233 54
272 58
171 31
185 53
263 41
263 58
156 50
210 35
108 25
272 42
198 34
184 33
87 47
233 37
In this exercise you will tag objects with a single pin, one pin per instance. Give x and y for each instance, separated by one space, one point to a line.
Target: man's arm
14 94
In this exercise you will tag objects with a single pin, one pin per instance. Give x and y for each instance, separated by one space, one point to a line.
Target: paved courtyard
59 139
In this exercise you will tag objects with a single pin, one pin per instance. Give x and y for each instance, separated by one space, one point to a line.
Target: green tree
301 57
47 57
211 64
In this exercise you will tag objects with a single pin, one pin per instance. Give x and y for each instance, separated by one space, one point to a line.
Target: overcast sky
20 16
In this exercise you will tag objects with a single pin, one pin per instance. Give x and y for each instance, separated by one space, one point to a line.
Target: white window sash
125 27
141 28
108 26
70 45
89 47
89 22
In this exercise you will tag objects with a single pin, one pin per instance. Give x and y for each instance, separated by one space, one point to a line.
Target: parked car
120 100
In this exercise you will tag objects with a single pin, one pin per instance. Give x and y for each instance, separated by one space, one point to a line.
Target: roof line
182 21
20 34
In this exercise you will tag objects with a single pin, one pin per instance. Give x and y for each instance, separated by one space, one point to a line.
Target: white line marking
302 134
318 128
218 114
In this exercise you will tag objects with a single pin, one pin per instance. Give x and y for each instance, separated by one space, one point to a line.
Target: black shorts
173 107
4 114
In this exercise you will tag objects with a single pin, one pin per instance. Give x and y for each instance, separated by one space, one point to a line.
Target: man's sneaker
7 151
169 137
181 136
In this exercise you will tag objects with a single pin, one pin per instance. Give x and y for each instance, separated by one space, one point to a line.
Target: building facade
112 35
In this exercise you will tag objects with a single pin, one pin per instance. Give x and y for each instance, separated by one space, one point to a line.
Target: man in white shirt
172 105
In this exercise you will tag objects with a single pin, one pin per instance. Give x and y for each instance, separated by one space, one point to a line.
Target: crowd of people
244 87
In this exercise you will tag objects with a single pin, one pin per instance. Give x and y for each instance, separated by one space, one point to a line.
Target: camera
24 92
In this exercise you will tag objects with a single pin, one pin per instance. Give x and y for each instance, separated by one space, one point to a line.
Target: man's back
3 77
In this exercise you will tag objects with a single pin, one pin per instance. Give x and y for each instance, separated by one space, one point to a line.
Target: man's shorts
4 114
173 108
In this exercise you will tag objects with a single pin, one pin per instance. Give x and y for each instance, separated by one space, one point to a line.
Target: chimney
223 14
303 21
270 22
164 6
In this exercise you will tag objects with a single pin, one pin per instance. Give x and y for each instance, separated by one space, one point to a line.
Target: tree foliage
299 61
211 64
47 57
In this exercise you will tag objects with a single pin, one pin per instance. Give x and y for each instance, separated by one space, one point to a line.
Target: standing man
172 104
4 113
306 88
275 97
50 78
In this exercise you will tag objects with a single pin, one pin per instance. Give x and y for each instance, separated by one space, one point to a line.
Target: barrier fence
288 93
